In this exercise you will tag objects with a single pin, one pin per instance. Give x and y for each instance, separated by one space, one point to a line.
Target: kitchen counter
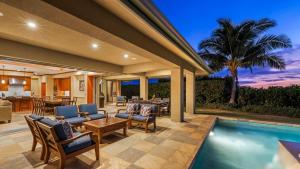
20 103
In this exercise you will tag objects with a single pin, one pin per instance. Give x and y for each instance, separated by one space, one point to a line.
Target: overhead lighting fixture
126 56
1 14
95 45
31 24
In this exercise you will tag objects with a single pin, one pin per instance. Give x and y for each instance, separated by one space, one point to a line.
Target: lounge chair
91 111
145 120
56 141
36 137
69 114
121 100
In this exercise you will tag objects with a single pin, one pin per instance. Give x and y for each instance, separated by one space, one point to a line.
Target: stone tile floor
173 146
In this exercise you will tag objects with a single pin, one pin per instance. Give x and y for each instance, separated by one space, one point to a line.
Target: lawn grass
244 115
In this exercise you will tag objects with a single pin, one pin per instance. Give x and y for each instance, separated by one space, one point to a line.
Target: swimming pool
243 145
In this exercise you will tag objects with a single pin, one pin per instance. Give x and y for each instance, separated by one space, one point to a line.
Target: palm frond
271 42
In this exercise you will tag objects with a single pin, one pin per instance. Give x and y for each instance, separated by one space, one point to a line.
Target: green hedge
161 89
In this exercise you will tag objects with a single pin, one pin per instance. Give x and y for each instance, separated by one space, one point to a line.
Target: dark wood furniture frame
55 146
36 137
106 126
144 124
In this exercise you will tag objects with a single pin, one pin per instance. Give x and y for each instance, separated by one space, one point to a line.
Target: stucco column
118 89
144 87
190 92
177 95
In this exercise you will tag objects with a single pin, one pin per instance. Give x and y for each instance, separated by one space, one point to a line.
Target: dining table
50 104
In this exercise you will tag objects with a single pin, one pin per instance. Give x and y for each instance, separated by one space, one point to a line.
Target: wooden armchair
65 149
121 100
145 121
36 137
69 114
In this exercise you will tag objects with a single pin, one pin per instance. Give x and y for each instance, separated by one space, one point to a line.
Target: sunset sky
195 20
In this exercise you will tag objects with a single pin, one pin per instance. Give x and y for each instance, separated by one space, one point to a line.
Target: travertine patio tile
171 146
131 155
154 139
162 152
150 162
144 146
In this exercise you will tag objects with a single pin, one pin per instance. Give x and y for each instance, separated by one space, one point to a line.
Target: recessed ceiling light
126 56
31 24
133 58
1 14
95 45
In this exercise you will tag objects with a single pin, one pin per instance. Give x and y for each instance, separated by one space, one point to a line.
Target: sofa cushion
146 110
97 116
90 108
67 129
120 98
122 115
78 144
131 108
75 120
67 111
142 118
58 127
36 117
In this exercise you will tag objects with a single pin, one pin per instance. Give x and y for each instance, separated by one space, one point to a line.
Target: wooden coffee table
103 127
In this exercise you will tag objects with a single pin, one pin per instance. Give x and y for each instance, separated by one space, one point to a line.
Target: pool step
289 154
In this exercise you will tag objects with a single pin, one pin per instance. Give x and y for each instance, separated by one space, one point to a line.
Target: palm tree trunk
233 91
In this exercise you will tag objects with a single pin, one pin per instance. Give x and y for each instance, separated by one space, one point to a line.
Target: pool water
244 145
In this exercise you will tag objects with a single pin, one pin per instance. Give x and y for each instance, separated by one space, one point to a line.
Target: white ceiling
53 36
37 69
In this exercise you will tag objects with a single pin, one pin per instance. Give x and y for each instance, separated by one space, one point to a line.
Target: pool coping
190 163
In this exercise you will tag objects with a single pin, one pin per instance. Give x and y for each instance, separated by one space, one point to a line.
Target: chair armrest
60 117
74 138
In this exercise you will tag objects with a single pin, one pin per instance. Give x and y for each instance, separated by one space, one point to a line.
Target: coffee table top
99 123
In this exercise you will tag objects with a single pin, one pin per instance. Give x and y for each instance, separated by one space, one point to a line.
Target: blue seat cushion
75 120
96 116
78 144
36 117
90 108
121 98
58 127
67 111
142 118
122 115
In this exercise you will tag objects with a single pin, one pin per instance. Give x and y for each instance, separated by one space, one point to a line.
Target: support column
118 84
177 95
190 92
144 87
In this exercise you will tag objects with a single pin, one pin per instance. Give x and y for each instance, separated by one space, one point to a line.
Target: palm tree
243 46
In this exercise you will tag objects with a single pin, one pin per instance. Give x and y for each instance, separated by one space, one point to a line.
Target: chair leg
62 163
146 128
97 151
34 142
43 153
154 125
47 156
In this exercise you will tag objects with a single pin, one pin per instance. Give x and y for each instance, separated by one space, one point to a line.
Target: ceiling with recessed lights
33 68
23 27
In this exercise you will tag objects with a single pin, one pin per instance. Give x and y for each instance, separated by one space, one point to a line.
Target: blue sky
195 20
